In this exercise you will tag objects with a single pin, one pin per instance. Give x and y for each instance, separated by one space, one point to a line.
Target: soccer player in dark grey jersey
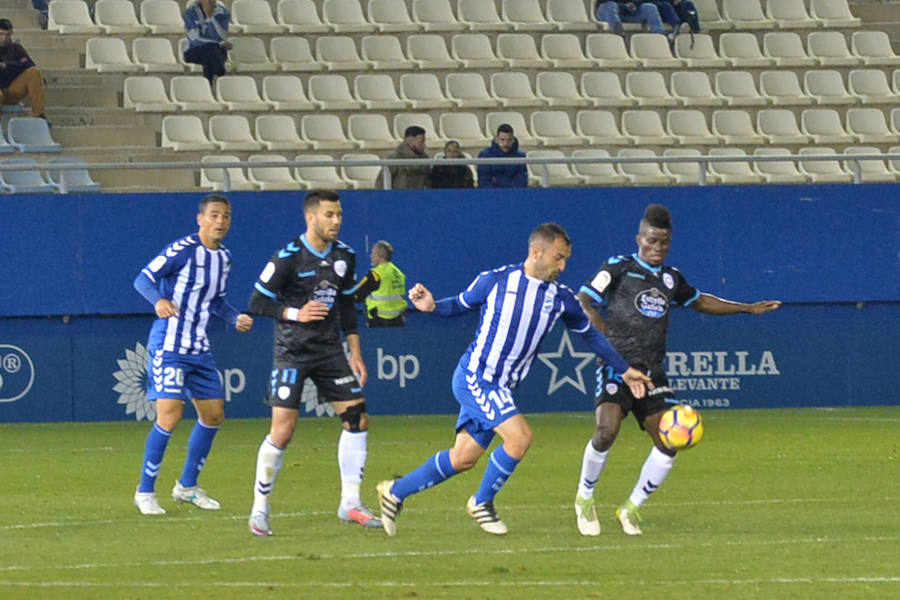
308 287
637 292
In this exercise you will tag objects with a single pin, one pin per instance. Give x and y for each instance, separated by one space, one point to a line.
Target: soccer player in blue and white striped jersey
519 305
186 284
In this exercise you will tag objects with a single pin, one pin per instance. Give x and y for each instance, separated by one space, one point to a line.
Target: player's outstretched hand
758 308
165 308
637 382
244 323
421 298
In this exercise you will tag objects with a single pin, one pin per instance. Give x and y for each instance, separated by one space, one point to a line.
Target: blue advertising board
73 330
93 369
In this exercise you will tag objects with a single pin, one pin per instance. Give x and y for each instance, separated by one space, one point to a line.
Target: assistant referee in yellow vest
383 289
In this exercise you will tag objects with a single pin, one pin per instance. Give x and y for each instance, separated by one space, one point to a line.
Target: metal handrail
702 161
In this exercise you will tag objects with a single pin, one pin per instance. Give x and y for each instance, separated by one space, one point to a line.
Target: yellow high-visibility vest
390 297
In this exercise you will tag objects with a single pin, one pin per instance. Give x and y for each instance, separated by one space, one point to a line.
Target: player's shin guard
268 464
655 470
499 469
199 445
433 471
154 450
591 467
352 453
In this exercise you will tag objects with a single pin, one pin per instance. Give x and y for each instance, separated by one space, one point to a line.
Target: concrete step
81 96
22 19
79 116
55 58
106 137
871 12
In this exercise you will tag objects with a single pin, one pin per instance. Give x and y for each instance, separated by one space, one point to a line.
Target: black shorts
332 377
611 388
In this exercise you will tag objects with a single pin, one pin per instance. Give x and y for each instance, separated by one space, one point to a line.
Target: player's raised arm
713 305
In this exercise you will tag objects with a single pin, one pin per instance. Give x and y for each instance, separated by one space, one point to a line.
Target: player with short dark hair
307 287
519 305
637 292
186 285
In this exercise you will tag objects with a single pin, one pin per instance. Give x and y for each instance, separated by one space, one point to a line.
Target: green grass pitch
798 503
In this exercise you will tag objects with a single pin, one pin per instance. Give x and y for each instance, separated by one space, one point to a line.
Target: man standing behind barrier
19 77
383 289
307 287
637 292
411 177
186 284
505 145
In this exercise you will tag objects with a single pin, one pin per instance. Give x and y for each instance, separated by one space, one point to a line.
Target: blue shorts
182 376
482 406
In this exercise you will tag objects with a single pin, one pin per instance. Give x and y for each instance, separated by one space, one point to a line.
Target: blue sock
432 472
154 450
199 445
500 467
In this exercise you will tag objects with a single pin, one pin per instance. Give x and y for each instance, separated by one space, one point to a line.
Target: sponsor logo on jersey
340 267
601 280
325 293
651 303
668 280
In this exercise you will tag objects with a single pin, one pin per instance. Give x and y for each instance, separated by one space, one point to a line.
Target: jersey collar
313 250
647 266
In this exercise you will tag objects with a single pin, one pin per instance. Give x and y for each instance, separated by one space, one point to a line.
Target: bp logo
131 383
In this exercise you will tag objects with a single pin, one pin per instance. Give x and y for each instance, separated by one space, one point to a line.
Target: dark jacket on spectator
451 176
509 176
12 54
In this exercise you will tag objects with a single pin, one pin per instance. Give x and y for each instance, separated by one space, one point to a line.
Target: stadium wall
72 329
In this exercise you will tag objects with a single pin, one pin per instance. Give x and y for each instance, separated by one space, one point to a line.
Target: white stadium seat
185 133
345 16
162 16
278 132
285 92
232 133
254 16
238 93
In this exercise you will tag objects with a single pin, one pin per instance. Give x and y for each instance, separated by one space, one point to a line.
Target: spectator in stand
452 176
615 12
676 13
18 75
206 27
505 145
412 177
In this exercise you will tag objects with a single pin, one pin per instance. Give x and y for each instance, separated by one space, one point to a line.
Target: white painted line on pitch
439 553
443 584
513 508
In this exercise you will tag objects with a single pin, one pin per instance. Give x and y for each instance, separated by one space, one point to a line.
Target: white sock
352 462
591 467
268 464
655 470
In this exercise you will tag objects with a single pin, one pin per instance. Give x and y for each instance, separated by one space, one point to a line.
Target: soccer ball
680 427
